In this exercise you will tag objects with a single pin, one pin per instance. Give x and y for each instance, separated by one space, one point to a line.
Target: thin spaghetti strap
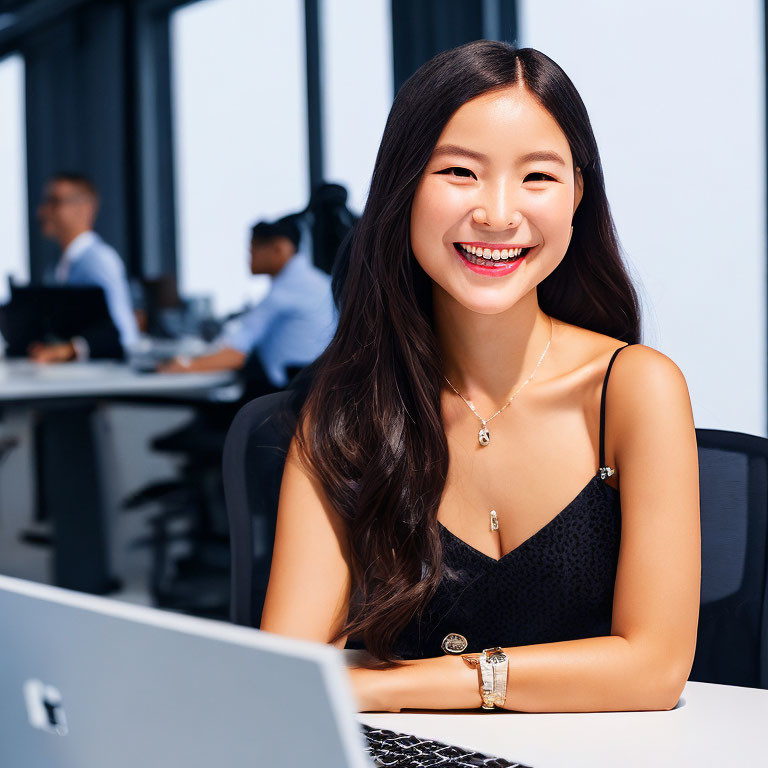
603 469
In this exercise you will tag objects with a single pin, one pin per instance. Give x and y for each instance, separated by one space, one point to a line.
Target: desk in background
70 469
22 381
712 725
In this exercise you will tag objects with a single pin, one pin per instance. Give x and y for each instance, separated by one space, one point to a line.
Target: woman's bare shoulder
592 350
648 400
584 353
641 378
648 380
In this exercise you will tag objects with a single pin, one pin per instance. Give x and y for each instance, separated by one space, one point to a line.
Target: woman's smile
489 262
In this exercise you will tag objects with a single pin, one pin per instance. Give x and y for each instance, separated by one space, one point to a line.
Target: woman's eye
544 176
464 173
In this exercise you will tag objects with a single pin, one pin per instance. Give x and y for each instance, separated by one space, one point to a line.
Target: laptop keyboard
402 750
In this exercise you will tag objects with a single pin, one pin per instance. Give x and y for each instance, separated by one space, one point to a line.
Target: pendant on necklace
484 436
494 521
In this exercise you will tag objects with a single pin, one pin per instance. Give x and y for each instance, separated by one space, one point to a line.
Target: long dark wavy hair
370 428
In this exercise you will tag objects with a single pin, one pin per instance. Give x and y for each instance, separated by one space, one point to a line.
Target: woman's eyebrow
543 156
538 156
454 149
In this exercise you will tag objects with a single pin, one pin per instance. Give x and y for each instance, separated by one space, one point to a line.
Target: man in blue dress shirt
292 325
66 214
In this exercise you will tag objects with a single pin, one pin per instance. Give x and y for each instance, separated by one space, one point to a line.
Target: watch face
495 655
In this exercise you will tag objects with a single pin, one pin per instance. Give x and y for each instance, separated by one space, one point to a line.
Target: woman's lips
495 268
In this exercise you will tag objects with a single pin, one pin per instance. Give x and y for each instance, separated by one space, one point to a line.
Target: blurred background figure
329 220
267 344
291 326
66 214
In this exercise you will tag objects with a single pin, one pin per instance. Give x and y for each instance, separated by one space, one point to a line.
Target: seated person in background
291 326
329 221
66 214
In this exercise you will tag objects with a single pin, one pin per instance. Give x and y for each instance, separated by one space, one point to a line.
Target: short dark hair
81 181
285 227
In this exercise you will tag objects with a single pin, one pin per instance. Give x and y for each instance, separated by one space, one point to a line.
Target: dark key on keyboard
389 749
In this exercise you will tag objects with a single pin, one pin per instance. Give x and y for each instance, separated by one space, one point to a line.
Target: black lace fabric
557 585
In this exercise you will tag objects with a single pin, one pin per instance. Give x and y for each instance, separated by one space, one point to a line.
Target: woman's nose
497 209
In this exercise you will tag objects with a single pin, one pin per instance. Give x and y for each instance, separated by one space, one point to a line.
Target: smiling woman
485 288
518 177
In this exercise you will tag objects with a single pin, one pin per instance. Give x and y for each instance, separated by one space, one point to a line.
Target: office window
681 131
240 136
14 259
357 83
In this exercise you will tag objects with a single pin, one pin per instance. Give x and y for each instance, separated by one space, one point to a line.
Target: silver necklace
484 436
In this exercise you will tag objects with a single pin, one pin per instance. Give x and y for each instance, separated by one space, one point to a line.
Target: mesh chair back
732 644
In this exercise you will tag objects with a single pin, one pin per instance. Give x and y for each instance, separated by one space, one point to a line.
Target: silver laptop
87 682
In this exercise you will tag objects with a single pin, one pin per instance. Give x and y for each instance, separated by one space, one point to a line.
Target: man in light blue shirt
292 325
66 215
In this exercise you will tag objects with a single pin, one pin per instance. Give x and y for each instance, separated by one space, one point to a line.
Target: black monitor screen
52 314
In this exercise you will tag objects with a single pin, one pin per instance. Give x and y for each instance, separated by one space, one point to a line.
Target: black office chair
253 460
732 646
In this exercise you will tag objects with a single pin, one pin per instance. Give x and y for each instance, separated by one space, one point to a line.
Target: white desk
70 470
712 725
25 380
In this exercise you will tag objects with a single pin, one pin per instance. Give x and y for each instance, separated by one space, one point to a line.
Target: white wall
676 95
240 133
357 82
14 247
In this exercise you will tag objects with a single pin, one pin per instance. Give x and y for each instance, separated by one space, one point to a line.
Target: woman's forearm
443 682
590 675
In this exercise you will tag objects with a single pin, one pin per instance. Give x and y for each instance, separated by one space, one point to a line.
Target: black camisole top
557 585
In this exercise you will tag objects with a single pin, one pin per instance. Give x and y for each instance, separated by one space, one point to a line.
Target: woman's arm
645 662
309 582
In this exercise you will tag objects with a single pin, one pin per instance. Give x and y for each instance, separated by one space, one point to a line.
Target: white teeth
496 254
489 253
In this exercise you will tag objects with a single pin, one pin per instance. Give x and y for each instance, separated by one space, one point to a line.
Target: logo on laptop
44 707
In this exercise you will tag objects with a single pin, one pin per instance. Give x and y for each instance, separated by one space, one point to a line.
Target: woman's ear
578 180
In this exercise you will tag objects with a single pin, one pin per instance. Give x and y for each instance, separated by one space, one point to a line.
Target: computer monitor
58 313
91 682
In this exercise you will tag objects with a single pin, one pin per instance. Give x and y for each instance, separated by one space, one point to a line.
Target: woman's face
484 187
